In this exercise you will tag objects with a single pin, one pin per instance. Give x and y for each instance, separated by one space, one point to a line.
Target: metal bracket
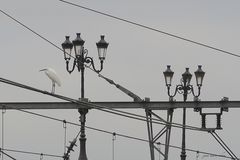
218 116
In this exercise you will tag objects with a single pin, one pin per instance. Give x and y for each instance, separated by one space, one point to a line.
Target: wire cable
134 23
3 122
152 29
223 144
98 107
113 144
32 153
42 37
65 136
118 134
34 32
58 96
7 154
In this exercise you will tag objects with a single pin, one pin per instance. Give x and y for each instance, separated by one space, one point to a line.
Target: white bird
52 75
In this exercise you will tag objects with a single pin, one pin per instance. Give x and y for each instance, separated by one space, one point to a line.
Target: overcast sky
136 58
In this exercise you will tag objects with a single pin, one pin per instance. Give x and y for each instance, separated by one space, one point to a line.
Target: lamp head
168 74
199 74
187 76
78 44
67 48
102 48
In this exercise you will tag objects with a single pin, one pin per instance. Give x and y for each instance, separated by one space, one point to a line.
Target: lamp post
184 88
79 60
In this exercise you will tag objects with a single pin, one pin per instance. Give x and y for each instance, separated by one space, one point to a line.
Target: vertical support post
83 112
65 136
183 153
185 93
82 154
150 133
3 112
82 68
168 133
113 145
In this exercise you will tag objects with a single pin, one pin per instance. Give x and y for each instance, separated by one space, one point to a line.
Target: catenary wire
53 43
101 108
34 32
223 145
134 23
121 19
33 153
68 99
3 132
65 136
7 155
150 28
56 45
42 37
118 134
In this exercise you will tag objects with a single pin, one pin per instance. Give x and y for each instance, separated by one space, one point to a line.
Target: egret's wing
53 76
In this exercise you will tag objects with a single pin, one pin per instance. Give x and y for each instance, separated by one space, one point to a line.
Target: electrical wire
3 122
78 102
65 136
84 103
42 37
121 19
32 153
44 92
7 154
113 144
34 32
98 107
223 144
152 29
117 134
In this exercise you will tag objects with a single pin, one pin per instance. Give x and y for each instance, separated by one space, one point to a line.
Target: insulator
203 120
218 121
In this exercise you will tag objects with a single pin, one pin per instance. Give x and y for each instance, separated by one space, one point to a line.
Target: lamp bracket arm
90 60
73 67
177 89
192 90
85 52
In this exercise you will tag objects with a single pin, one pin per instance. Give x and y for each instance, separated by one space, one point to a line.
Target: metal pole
82 68
150 133
183 153
168 134
2 131
83 112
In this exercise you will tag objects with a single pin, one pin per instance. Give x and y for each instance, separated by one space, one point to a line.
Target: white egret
52 75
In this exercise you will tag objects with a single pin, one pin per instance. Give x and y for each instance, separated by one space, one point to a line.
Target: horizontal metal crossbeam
155 105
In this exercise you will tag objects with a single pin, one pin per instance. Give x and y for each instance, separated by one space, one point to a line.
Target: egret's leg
53 87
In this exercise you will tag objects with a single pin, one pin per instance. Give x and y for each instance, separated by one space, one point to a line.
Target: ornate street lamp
79 61
184 88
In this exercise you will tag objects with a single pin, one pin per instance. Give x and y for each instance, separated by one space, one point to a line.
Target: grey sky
136 59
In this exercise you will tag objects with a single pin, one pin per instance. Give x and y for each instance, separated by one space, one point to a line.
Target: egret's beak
42 70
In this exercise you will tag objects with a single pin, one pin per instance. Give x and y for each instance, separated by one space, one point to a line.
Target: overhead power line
111 133
152 29
124 20
7 154
32 153
134 23
42 37
99 107
28 28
